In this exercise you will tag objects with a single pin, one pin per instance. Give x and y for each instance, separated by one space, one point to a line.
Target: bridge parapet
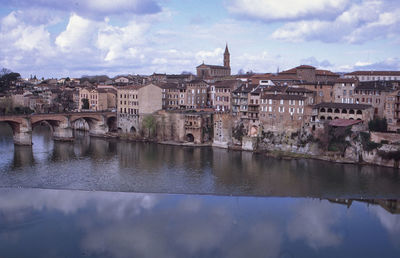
60 124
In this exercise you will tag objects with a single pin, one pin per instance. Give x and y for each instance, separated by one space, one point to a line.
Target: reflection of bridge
61 124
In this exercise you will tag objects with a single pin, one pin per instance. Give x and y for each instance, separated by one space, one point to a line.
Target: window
281 102
270 109
270 101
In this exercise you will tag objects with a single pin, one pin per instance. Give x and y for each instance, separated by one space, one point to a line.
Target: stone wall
128 123
390 137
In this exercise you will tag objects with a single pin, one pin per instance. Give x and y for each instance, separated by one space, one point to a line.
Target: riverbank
354 153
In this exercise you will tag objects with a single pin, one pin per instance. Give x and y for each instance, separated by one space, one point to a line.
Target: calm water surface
101 198
98 164
60 223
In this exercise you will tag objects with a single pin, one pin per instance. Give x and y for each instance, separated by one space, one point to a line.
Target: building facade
364 76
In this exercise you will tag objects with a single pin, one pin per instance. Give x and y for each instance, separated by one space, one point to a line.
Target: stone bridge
60 124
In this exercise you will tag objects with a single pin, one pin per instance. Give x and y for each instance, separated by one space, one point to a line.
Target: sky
54 39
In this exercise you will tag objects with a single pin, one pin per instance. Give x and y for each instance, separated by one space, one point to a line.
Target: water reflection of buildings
390 205
23 156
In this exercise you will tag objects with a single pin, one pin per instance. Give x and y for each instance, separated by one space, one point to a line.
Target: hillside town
283 111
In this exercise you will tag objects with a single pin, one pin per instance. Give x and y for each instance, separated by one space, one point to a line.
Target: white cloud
361 22
210 56
95 9
389 64
19 39
78 34
314 223
285 9
121 42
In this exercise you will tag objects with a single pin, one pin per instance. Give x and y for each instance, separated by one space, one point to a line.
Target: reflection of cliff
250 174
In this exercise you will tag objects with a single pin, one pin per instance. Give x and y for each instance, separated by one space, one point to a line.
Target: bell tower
226 57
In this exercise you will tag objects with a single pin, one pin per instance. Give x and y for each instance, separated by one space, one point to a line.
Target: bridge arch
51 124
91 121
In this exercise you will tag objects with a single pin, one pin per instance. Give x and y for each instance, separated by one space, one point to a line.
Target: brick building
283 112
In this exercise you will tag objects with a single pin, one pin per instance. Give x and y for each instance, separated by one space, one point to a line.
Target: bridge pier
22 132
23 138
98 129
63 134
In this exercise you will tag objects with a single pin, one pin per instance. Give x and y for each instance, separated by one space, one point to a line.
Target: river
107 198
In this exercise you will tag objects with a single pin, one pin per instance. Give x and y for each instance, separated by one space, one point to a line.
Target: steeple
226 56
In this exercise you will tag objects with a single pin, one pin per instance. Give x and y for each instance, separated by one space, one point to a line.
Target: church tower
227 57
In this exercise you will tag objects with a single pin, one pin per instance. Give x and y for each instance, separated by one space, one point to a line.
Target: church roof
213 66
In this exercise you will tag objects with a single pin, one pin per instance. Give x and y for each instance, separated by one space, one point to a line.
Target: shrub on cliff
334 138
366 142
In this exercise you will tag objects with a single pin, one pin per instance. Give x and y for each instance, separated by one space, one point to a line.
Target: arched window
337 110
359 112
351 111
329 110
344 111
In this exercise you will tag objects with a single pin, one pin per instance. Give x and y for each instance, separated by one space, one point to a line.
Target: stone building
373 93
283 112
135 102
197 94
324 92
184 126
392 110
331 111
98 99
240 100
170 95
205 71
344 90
220 94
364 76
121 80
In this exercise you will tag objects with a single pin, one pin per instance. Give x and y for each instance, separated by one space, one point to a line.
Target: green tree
149 122
85 104
378 125
7 77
